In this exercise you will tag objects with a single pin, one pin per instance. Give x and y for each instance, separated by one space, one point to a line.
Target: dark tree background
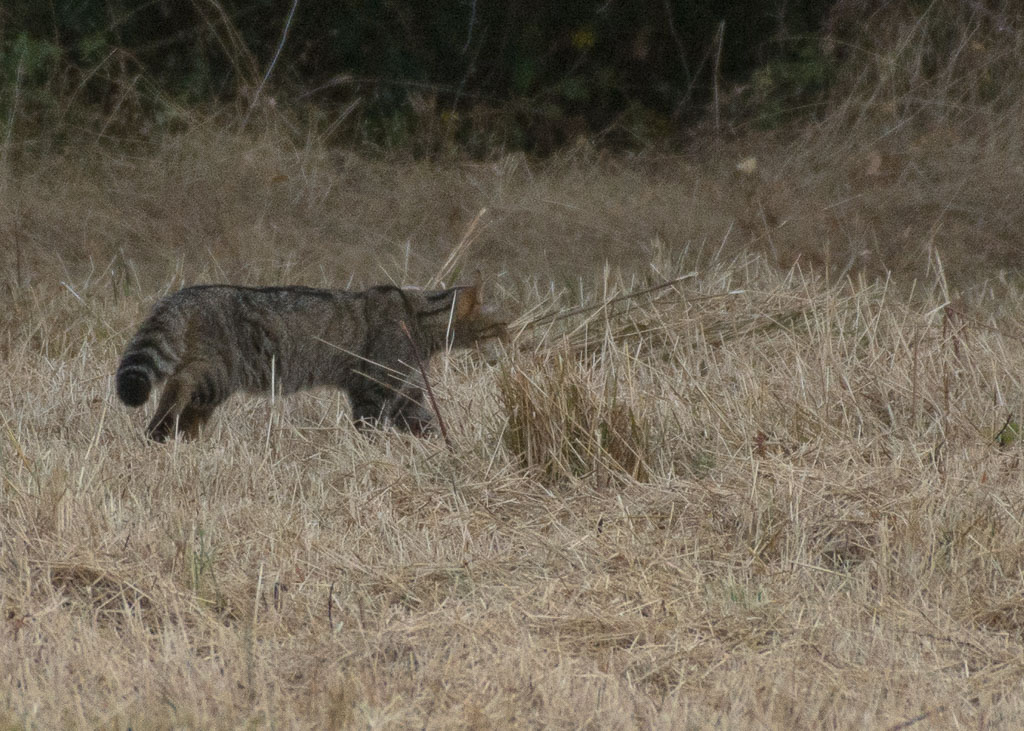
524 73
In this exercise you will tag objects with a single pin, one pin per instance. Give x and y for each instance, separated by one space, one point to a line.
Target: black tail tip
133 388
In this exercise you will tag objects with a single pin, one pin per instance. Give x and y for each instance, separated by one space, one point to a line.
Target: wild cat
209 341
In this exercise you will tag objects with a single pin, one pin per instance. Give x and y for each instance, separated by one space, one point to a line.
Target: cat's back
294 303
214 316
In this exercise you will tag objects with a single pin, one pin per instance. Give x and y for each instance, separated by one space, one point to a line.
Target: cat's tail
151 356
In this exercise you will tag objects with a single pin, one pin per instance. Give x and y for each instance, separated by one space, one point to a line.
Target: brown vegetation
214 206
785 490
809 515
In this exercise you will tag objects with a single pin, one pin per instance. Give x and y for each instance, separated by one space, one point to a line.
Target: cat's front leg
411 415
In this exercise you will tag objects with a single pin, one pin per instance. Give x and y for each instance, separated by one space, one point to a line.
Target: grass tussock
749 498
566 427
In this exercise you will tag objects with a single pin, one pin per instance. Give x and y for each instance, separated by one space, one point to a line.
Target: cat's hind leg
187 402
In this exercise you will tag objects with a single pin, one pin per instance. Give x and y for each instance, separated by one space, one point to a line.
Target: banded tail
149 359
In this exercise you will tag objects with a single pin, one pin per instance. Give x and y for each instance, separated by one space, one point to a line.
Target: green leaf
1009 433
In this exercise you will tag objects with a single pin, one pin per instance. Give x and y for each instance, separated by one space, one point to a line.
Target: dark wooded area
526 74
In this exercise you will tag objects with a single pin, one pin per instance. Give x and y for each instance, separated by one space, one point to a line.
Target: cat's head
458 317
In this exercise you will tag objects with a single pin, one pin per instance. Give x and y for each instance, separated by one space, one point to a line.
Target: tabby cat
212 340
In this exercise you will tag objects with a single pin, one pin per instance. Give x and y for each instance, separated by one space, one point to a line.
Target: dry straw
754 498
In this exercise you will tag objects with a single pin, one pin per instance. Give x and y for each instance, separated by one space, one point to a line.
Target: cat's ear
469 299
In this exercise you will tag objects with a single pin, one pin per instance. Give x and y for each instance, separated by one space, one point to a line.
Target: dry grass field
783 490
209 204
757 497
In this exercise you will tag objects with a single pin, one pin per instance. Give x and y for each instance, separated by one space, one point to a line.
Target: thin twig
231 41
458 250
472 22
678 41
10 122
426 386
978 323
555 316
716 71
916 719
273 62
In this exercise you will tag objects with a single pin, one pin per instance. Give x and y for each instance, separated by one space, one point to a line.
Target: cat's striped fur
210 341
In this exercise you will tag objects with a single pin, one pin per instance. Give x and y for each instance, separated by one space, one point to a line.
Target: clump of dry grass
565 426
